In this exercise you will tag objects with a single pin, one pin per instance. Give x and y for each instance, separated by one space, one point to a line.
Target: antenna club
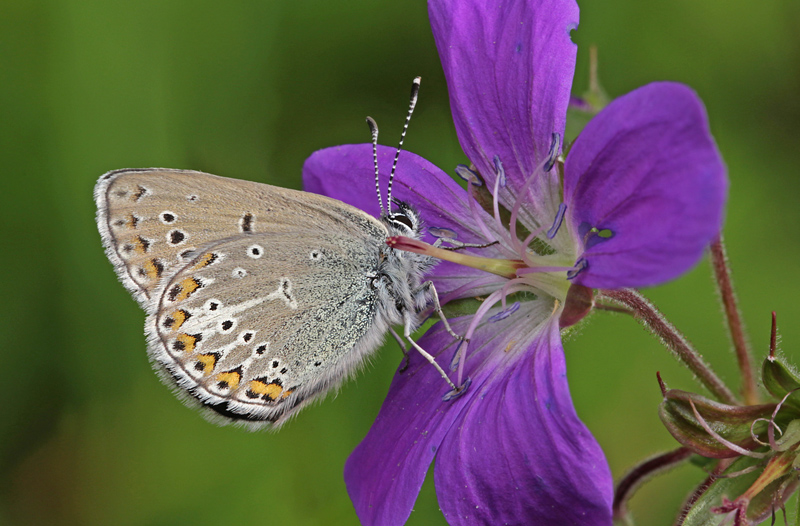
373 126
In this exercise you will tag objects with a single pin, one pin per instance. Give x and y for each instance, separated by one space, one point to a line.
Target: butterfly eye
404 220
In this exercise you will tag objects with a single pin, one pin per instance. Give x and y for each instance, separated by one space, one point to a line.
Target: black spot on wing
246 222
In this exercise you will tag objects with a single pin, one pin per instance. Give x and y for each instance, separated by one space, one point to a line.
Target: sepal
762 487
679 412
781 379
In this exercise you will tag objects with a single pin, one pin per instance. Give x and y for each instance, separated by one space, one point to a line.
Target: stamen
476 219
472 178
562 209
442 233
499 171
499 182
455 393
580 266
472 286
463 171
506 268
552 155
503 314
525 244
533 270
502 293
512 286
554 147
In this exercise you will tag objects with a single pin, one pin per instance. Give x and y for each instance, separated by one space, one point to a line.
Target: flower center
536 256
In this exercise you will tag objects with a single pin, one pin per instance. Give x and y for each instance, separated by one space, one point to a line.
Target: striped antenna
373 128
414 95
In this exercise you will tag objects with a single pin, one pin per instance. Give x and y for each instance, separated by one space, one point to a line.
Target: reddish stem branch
719 261
649 316
641 474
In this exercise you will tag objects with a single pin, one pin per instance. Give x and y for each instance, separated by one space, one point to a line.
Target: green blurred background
89 435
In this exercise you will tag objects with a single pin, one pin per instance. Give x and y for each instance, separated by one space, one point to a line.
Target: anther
580 266
468 175
456 359
562 209
442 233
458 391
505 313
552 155
499 171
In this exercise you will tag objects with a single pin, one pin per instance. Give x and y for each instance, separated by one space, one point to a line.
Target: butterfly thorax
401 274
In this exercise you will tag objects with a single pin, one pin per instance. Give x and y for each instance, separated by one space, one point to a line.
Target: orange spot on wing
206 260
179 316
271 391
140 245
154 268
188 286
208 361
186 342
232 378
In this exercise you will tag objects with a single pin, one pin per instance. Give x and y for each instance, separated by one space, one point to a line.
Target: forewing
256 326
152 221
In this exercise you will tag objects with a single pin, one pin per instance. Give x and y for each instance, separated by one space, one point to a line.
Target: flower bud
712 429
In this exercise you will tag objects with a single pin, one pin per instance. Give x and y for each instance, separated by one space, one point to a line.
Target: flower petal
347 173
519 454
647 171
385 472
509 67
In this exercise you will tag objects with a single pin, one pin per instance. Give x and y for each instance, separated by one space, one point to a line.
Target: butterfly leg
437 307
402 348
409 323
430 289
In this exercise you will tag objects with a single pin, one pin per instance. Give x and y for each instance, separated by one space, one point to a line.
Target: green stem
744 357
649 316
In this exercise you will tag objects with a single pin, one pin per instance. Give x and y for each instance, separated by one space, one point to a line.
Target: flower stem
704 486
744 356
649 316
641 474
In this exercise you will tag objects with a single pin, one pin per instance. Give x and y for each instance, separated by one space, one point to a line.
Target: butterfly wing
266 302
153 220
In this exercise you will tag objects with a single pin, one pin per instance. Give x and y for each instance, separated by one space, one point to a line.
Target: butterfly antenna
412 104
373 128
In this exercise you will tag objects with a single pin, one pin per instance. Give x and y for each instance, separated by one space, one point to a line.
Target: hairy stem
649 316
719 261
698 492
641 474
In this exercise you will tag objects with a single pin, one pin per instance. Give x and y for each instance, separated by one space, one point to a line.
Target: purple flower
639 197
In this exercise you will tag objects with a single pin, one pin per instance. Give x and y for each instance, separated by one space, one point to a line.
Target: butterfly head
403 221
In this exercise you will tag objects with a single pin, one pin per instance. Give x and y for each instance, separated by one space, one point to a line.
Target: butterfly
259 299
